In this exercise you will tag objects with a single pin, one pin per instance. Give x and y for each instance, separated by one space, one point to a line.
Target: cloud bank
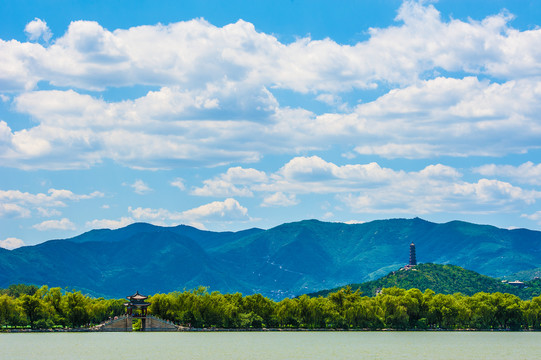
214 100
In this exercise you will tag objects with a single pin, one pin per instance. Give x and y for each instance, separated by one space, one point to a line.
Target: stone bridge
125 323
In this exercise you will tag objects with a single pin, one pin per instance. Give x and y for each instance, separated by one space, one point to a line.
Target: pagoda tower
413 259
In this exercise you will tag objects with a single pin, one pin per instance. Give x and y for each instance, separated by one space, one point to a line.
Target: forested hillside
443 279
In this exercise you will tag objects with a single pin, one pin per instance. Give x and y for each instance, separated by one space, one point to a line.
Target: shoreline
206 330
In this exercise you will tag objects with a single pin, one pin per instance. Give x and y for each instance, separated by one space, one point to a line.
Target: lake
272 345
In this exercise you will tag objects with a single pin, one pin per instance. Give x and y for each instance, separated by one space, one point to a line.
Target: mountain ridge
287 260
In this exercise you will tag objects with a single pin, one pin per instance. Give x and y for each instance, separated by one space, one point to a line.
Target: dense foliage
44 308
443 279
22 305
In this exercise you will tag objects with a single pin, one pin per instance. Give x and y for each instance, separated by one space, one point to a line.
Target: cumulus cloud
146 134
54 197
225 185
279 199
453 117
527 173
217 211
46 212
315 175
438 117
422 197
13 210
227 210
62 224
11 243
140 187
37 29
370 188
109 224
15 203
360 188
209 112
222 188
420 41
178 183
536 216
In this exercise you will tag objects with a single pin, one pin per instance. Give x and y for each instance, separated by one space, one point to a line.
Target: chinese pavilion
137 307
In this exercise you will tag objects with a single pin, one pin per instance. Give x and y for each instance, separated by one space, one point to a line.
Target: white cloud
37 29
370 188
155 216
109 224
209 112
419 196
535 216
9 210
352 222
140 187
45 212
454 117
178 183
218 187
15 203
11 243
89 56
496 192
527 173
227 210
224 185
217 211
239 175
53 198
75 131
279 199
326 177
63 224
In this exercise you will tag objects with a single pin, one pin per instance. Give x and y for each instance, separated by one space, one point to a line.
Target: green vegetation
443 279
28 306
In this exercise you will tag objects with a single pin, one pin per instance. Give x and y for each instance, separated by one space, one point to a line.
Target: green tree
76 308
32 308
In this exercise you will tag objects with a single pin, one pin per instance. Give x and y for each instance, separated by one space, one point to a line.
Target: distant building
517 283
413 259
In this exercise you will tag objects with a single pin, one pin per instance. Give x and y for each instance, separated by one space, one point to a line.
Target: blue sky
239 114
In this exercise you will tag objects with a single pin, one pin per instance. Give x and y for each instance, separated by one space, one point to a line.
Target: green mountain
287 260
443 279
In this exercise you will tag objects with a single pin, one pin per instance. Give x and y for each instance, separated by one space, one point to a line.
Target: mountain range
287 260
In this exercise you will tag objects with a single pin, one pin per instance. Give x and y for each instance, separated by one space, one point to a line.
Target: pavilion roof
137 297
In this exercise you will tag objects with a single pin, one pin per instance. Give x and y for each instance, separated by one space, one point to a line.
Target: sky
239 114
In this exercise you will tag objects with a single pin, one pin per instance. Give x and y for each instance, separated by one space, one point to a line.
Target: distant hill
442 279
287 260
524 275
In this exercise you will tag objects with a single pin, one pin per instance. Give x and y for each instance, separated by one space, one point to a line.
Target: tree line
394 308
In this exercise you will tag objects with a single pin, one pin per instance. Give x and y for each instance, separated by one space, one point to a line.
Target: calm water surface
272 345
